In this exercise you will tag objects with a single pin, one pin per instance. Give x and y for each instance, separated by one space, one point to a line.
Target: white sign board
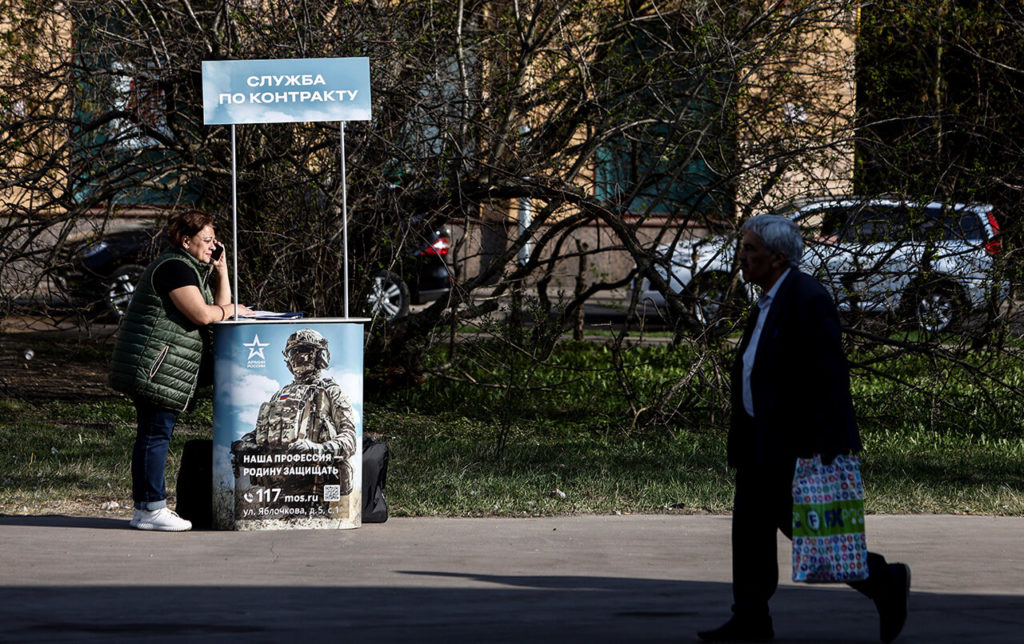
286 90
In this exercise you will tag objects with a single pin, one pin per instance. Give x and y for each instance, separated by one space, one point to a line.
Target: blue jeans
149 456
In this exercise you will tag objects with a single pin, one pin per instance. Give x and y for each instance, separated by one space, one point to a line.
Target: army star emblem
256 347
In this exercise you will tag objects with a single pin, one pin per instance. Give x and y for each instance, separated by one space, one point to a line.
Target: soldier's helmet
308 338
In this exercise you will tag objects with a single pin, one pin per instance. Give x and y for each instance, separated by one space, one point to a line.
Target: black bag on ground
195 483
375 477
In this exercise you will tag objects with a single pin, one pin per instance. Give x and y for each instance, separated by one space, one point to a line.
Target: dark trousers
149 455
763 505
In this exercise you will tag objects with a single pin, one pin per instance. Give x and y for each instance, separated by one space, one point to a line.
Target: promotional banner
286 90
287 424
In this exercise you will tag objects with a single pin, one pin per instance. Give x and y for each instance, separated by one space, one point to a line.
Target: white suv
932 261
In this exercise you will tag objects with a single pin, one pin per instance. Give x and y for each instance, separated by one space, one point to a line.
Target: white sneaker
163 519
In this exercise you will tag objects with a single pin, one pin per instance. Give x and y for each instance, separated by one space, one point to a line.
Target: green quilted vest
158 350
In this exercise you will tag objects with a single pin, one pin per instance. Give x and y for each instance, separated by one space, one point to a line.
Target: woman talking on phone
159 349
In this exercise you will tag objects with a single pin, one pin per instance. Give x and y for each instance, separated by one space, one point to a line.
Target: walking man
790 398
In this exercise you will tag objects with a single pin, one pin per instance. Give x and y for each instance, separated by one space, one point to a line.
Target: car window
968 226
949 225
824 225
880 224
812 223
929 225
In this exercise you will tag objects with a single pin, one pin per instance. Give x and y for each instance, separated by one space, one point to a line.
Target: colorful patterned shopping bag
828 521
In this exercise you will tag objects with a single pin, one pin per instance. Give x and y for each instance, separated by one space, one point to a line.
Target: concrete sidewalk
566 579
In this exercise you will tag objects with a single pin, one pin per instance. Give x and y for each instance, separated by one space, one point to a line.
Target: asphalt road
649 578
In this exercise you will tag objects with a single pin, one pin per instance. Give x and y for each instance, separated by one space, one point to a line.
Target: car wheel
388 297
121 287
936 308
714 305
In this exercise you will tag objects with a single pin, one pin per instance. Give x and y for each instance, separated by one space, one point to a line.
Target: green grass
921 471
61 455
578 429
461 473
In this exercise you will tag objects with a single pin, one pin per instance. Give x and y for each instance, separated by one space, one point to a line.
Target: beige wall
802 101
480 241
42 43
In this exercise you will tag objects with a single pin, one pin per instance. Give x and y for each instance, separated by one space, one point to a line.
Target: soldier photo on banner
295 464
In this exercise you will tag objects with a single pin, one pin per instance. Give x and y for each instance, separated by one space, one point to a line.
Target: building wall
31 179
799 104
479 241
813 71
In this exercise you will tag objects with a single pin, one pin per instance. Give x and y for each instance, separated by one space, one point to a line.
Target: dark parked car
422 276
101 273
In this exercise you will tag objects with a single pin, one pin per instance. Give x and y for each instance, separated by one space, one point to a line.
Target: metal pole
525 211
525 220
234 220
344 219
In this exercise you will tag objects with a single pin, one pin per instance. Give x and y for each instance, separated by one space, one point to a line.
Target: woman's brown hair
185 224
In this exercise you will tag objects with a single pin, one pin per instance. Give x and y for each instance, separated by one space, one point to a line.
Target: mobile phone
217 252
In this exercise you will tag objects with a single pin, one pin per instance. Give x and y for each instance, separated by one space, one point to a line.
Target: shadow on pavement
517 609
62 521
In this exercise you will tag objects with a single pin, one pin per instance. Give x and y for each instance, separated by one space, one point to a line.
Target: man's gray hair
779 235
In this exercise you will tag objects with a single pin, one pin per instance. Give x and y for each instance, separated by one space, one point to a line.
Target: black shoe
892 603
741 630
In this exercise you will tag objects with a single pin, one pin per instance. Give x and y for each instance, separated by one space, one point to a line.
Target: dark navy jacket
800 382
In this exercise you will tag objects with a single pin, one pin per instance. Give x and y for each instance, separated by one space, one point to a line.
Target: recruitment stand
287 427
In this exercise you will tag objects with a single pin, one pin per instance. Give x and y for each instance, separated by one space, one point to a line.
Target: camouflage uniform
316 412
